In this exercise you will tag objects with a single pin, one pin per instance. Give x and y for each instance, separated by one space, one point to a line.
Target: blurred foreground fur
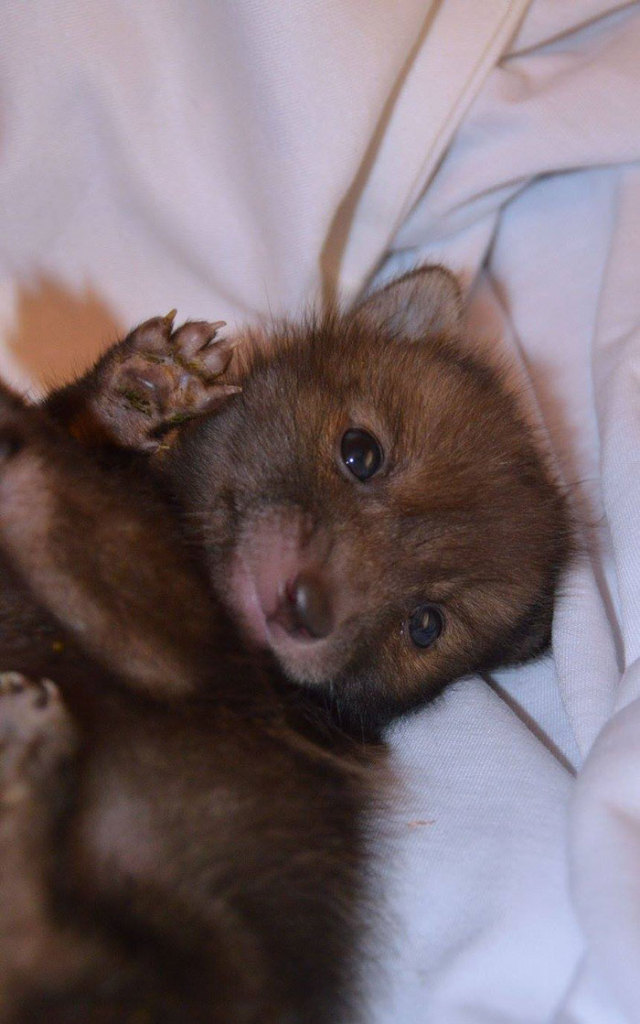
236 575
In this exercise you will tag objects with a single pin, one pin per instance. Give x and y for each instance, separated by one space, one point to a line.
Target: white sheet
247 157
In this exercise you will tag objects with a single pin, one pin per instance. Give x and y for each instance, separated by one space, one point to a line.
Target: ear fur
426 301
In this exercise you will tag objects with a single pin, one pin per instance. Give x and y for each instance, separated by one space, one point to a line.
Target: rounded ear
423 302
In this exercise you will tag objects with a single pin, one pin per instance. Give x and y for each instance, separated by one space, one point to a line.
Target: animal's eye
361 453
426 623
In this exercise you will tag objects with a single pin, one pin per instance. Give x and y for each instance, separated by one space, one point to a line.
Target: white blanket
247 157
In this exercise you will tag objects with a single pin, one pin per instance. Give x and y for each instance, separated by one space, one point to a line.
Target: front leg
147 385
36 740
98 549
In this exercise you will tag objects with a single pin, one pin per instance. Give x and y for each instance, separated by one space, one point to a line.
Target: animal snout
305 608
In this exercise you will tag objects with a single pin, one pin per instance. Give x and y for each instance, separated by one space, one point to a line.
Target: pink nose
305 608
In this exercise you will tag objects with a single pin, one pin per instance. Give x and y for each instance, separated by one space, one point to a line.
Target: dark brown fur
464 512
181 888
210 849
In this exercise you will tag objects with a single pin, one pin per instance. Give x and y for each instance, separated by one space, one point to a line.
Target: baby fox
237 565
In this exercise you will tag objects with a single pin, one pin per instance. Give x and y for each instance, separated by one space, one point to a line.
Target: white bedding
244 158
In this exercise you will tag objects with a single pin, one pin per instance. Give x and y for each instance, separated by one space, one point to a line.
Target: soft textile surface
246 157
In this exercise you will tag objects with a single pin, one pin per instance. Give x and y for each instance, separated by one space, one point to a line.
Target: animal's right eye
361 453
426 623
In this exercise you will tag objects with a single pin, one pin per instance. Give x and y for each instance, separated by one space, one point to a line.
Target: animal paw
36 736
159 377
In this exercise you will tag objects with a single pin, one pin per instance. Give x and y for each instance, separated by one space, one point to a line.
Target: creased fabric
245 158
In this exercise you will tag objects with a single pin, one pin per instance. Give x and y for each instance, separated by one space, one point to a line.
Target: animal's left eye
426 623
361 453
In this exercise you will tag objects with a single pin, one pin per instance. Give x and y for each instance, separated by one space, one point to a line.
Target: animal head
376 511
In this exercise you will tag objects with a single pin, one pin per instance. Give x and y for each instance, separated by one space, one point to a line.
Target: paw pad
36 732
159 377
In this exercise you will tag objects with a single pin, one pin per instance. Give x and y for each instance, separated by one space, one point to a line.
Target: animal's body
232 609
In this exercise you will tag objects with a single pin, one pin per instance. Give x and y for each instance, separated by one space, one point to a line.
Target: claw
152 335
195 336
43 694
217 357
12 682
228 343
170 316
214 327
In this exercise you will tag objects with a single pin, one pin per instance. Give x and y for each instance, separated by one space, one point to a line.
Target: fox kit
237 566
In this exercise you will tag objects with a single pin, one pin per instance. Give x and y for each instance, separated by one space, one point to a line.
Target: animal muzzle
284 595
